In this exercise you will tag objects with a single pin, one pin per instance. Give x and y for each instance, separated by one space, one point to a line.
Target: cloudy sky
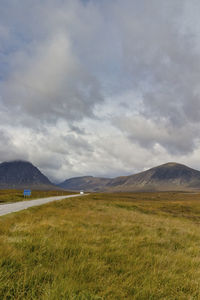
99 87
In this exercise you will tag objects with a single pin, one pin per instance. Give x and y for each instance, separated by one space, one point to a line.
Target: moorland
12 195
103 246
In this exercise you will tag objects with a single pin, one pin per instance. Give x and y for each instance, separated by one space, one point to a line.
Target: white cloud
99 87
51 83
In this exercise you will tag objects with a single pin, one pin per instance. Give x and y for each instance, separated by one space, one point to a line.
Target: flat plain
103 246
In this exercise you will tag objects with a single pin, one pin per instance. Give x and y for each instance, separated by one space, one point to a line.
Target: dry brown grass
103 246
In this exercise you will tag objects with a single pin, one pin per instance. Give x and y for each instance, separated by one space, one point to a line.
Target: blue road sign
27 193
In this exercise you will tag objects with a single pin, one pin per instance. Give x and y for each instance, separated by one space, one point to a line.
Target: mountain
88 183
167 177
22 174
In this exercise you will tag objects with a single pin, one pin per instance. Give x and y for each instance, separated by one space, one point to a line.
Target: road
17 206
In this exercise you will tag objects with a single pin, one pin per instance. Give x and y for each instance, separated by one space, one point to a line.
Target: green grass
103 246
8 196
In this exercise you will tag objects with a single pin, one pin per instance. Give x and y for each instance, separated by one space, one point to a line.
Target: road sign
27 193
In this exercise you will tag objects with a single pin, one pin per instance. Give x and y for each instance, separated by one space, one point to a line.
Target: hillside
22 174
88 183
167 177
170 176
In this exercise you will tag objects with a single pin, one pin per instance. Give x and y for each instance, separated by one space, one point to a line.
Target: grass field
103 246
7 196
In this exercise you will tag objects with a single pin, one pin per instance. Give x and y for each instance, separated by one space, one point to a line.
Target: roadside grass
103 246
17 195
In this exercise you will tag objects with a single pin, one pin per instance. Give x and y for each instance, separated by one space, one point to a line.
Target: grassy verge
109 246
17 195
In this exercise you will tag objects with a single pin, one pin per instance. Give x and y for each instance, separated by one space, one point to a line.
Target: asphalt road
14 207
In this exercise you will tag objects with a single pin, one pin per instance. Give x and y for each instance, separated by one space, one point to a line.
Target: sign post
27 193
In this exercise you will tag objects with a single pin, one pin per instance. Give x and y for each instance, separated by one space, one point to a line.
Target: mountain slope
88 183
22 174
170 176
167 177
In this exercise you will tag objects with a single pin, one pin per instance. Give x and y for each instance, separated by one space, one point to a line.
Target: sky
99 87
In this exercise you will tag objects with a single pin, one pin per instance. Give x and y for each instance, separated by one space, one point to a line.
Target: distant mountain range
22 174
167 177
88 183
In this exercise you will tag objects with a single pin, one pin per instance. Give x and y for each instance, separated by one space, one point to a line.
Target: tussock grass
17 195
103 246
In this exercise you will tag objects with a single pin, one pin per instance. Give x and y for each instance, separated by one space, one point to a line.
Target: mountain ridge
22 174
170 176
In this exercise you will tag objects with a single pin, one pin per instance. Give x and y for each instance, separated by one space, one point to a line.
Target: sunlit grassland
103 246
17 195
